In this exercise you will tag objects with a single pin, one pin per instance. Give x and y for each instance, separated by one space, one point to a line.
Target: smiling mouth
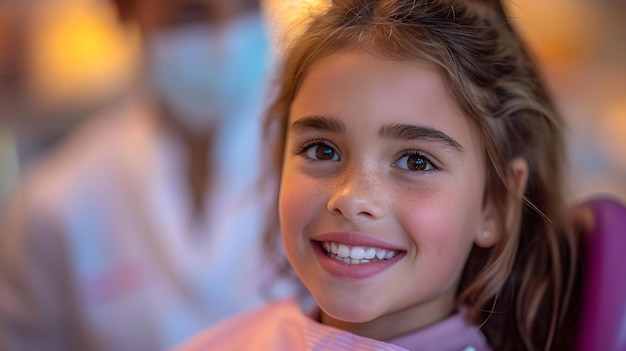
356 254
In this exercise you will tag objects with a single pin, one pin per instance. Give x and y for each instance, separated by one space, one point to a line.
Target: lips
354 256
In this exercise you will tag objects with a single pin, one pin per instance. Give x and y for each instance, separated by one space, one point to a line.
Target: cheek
441 243
299 200
441 225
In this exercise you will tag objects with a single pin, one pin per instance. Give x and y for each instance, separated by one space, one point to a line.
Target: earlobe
487 236
486 239
490 234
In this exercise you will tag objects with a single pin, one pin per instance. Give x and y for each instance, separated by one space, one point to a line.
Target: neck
395 324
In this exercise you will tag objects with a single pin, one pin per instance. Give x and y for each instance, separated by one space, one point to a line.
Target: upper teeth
357 254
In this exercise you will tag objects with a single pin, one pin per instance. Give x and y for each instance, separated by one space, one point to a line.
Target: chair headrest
602 323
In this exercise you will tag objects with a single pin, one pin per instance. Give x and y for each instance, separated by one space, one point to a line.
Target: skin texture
349 179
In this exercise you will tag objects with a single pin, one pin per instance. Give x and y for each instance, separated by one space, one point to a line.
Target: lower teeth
349 260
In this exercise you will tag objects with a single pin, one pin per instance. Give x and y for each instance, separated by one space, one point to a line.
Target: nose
356 198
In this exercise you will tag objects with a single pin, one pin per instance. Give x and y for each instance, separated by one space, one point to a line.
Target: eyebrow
320 123
388 131
412 132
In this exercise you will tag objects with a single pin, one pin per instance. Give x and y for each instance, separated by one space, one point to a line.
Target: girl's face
382 193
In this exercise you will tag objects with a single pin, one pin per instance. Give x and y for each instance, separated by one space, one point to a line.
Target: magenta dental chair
602 325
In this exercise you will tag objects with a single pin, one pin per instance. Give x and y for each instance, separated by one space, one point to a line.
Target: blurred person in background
144 227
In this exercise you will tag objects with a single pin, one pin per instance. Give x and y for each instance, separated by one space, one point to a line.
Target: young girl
420 201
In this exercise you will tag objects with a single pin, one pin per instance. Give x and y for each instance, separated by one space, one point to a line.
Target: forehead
354 83
367 93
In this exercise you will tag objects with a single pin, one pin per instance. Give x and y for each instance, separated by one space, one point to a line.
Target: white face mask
207 74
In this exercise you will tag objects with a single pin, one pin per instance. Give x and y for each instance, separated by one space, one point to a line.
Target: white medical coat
100 252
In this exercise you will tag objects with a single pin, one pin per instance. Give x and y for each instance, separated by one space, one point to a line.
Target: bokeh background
62 60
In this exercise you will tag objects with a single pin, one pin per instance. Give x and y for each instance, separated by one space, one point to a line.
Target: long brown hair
523 292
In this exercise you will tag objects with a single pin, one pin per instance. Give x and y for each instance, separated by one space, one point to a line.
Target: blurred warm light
288 17
613 130
79 51
560 32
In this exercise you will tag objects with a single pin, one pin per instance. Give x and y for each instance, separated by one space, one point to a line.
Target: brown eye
324 152
415 162
320 151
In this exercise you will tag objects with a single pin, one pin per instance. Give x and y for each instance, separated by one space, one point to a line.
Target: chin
349 310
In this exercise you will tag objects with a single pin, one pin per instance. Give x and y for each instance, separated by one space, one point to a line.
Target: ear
491 233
